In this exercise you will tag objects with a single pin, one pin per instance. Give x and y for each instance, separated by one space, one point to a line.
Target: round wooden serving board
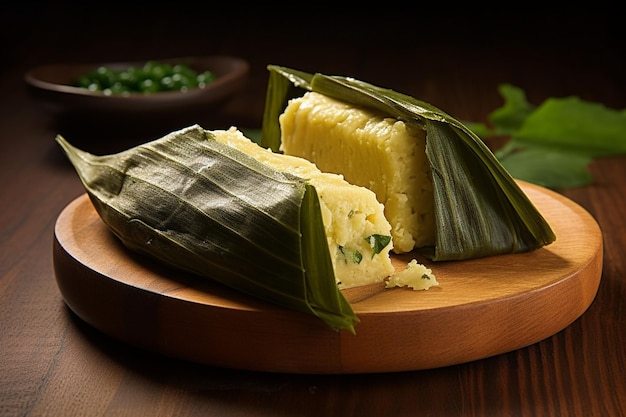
481 308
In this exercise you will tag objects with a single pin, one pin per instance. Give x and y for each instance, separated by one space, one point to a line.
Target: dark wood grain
52 363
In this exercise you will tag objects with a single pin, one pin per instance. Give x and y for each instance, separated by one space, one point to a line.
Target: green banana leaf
192 202
480 209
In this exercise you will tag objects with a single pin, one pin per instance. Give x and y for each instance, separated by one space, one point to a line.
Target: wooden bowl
102 123
54 85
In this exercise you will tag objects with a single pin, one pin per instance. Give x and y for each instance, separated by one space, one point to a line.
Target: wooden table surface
53 364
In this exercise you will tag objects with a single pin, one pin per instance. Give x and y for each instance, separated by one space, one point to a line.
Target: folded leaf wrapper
479 208
199 205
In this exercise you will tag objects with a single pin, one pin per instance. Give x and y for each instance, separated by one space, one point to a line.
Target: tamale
204 206
478 209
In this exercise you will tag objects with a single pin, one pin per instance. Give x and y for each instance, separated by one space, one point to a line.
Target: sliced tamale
209 208
357 231
371 150
477 207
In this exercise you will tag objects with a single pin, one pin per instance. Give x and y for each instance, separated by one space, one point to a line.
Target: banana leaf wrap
480 209
194 203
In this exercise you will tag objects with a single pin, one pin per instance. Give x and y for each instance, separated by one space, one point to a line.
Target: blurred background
425 51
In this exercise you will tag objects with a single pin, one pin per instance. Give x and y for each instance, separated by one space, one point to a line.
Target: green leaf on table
512 115
553 144
575 125
549 168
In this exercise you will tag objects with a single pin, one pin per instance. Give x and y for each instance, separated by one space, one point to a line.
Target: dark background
404 48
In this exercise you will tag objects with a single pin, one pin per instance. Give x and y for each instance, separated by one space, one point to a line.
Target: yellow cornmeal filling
371 151
350 214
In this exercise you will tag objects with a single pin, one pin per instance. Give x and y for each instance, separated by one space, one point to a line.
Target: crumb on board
415 276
